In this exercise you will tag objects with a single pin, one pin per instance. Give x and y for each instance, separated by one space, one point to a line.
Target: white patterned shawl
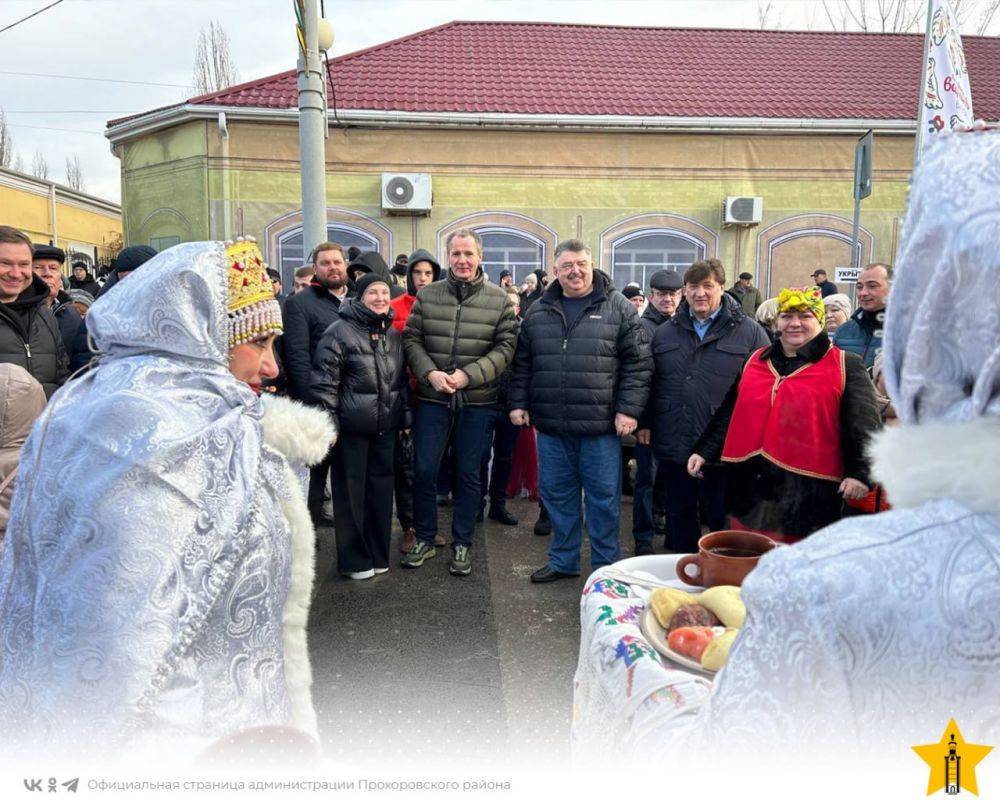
147 559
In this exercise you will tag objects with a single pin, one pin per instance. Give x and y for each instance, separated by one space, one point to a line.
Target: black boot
499 513
544 525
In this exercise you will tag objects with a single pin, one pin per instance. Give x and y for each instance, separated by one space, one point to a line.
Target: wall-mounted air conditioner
406 192
743 210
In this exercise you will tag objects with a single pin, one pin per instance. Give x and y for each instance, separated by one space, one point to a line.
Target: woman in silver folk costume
158 566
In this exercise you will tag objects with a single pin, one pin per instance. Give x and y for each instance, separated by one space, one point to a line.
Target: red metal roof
549 68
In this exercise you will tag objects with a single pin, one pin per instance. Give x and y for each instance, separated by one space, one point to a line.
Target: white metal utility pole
312 127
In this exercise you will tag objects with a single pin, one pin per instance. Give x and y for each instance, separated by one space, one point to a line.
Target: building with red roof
630 138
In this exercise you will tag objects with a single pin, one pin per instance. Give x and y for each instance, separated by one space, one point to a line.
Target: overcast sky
153 41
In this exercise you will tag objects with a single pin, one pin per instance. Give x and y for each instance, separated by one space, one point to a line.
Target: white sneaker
381 570
361 576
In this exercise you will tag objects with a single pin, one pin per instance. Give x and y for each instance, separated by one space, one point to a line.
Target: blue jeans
432 424
565 465
642 495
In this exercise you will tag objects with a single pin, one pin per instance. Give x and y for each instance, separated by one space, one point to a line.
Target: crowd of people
157 566
736 411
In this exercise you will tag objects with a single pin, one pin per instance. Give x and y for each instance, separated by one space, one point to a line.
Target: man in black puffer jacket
581 377
29 333
306 316
697 354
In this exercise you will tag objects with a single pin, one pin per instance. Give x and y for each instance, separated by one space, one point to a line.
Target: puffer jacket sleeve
417 358
327 367
488 368
520 376
295 347
635 371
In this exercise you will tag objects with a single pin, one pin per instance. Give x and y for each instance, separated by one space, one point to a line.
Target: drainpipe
52 214
227 227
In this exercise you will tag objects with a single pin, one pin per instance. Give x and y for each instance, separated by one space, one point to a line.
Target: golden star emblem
936 756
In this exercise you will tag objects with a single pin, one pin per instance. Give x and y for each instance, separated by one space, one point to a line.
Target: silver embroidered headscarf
942 331
146 563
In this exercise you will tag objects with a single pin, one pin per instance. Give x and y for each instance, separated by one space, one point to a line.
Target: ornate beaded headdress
254 313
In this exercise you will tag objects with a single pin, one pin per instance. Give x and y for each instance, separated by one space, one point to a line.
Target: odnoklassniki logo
952 761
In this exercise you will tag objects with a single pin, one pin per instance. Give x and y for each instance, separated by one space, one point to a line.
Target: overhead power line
63 130
25 19
99 80
68 111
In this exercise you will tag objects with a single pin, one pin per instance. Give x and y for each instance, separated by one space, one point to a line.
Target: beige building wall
194 182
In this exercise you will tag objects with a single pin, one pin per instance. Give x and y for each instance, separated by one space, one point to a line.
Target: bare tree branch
214 68
74 174
986 16
18 165
765 10
975 17
39 166
6 141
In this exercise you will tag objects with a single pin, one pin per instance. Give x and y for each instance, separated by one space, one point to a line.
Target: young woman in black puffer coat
359 375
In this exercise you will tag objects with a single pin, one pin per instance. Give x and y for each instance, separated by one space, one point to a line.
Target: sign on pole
846 275
862 187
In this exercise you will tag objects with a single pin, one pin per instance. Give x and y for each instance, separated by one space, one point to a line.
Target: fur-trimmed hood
919 463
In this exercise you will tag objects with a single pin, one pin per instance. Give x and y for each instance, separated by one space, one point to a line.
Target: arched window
512 250
291 255
636 256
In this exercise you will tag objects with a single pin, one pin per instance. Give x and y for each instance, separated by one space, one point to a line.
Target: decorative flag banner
947 100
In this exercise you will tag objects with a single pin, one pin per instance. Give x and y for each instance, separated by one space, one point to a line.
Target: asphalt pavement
418 666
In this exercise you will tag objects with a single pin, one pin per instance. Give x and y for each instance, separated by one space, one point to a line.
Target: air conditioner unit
406 192
743 210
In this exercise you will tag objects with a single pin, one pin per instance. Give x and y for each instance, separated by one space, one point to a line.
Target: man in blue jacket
862 333
697 355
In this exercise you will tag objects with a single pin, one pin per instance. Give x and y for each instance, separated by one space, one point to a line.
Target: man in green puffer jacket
459 339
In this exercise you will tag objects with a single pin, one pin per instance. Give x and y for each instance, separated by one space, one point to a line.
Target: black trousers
504 439
403 465
690 502
317 484
362 514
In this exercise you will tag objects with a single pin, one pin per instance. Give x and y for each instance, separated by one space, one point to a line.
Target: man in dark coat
581 377
826 287
697 355
306 316
747 294
665 289
82 279
459 339
47 263
541 278
29 333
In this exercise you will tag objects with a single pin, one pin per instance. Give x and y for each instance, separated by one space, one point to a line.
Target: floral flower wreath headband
802 300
